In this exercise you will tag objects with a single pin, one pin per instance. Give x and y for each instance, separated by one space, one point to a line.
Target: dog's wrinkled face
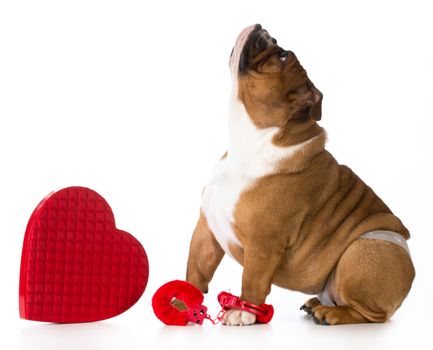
271 82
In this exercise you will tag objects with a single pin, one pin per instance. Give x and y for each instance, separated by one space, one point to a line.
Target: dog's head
271 82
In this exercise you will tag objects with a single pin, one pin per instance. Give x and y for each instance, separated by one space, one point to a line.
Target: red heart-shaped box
76 266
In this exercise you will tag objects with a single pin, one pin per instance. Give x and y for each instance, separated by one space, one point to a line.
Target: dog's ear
316 107
307 102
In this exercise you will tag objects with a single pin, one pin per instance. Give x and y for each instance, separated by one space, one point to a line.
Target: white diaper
388 236
382 235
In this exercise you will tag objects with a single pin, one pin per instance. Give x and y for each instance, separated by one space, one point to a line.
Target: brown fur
205 255
304 221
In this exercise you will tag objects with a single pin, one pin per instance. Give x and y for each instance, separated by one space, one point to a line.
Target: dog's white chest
219 200
251 155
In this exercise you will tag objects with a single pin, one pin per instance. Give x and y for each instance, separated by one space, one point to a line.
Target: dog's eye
283 55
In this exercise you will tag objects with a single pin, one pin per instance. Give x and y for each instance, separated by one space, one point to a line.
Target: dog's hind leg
372 278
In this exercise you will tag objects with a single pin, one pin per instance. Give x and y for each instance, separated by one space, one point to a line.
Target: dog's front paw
238 318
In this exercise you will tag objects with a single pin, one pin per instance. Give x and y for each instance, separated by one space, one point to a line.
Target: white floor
294 332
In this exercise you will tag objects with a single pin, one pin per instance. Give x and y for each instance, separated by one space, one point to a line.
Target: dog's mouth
251 42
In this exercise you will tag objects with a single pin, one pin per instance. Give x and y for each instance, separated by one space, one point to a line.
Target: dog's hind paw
309 305
331 315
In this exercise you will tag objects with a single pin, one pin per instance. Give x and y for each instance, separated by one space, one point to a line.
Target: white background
129 98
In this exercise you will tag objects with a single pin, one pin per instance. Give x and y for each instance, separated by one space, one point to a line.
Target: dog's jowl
280 204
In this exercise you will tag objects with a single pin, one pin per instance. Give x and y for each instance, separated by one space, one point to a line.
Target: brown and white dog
282 206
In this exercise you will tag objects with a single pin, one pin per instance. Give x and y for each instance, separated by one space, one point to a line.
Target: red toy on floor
76 266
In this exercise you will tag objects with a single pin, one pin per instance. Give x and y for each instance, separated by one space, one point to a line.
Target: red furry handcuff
177 303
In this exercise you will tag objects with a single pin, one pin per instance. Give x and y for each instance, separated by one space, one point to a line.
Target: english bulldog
280 204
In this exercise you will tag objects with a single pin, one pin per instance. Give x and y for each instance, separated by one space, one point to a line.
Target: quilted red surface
75 265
